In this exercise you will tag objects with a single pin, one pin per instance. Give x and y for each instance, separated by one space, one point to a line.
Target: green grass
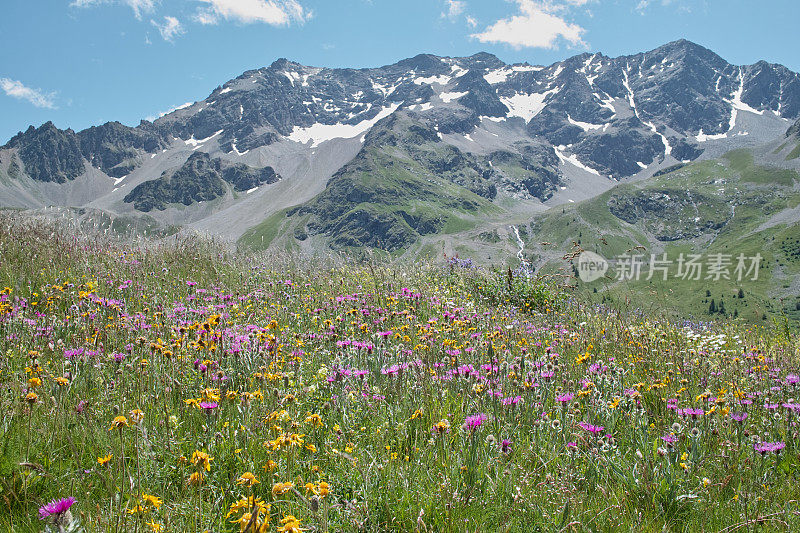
742 162
794 154
456 224
363 376
592 225
260 236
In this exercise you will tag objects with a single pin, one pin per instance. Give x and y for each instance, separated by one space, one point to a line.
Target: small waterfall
524 266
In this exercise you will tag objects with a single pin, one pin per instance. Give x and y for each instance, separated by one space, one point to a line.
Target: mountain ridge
519 136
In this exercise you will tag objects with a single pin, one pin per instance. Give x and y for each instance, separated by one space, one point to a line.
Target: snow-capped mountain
291 136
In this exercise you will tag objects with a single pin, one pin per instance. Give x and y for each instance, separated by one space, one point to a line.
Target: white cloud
682 6
170 29
138 6
472 22
151 118
537 25
453 9
36 97
274 12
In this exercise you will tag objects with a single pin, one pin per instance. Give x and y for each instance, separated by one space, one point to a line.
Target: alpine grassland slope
726 207
175 386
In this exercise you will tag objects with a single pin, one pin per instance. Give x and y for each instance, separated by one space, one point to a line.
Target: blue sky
84 62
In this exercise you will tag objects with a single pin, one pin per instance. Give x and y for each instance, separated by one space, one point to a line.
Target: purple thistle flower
694 413
670 439
564 398
473 422
208 406
56 507
739 417
505 446
764 447
591 428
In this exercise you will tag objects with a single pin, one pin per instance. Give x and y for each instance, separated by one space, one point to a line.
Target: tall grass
177 386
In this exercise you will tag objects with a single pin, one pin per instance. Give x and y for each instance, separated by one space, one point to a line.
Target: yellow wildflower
152 501
315 420
290 524
202 459
247 479
119 423
281 488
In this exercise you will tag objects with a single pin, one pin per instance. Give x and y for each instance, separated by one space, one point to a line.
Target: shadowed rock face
49 154
200 179
794 130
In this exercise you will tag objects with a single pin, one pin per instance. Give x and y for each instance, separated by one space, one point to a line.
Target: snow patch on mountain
632 102
608 103
421 107
526 68
497 76
702 137
319 133
440 80
457 71
585 126
293 77
385 90
736 100
527 106
573 160
197 143
236 150
449 97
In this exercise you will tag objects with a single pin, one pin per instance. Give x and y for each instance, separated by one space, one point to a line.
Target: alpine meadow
553 292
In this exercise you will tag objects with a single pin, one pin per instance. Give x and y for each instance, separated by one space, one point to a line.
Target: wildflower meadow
178 386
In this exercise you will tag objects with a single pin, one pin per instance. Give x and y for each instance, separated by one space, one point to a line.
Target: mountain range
430 152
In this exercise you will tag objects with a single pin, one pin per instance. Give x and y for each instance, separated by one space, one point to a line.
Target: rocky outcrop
671 214
200 179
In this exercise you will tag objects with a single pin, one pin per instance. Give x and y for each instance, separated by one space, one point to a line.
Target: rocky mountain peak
594 117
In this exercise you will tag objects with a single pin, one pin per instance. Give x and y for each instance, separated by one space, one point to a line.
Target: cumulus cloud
537 25
170 28
36 97
139 6
453 9
273 12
